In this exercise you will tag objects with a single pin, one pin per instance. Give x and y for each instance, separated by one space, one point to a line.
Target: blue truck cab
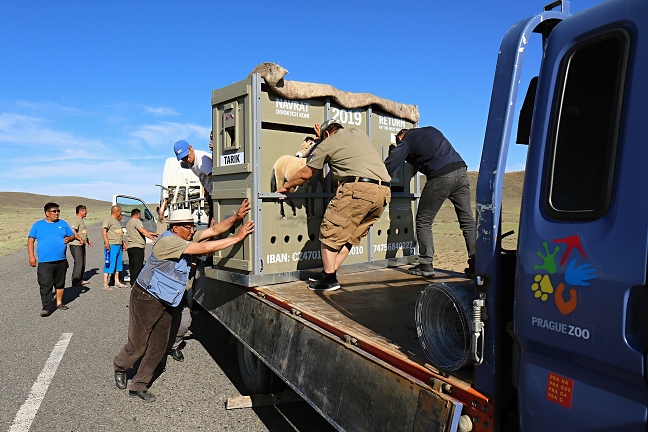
570 303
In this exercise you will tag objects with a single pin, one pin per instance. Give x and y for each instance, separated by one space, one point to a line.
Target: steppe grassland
16 220
19 211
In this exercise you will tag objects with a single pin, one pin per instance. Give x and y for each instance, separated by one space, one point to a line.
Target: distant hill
30 200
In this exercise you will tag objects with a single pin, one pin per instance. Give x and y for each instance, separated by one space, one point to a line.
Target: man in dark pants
78 247
159 288
446 172
51 236
136 235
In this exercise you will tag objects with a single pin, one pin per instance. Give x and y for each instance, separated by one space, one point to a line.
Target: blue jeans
455 187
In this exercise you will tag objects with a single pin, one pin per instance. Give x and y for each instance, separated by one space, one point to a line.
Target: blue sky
93 94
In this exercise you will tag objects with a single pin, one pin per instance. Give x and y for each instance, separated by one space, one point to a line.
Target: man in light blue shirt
51 236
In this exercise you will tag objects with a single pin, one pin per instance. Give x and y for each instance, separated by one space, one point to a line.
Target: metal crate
252 128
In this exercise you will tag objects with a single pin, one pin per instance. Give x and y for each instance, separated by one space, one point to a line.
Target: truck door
580 289
128 203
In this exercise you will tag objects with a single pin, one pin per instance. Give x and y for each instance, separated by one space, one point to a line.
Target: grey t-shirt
349 153
135 238
114 231
78 224
172 246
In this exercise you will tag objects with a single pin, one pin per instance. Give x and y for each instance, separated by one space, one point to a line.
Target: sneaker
317 277
425 270
45 312
322 285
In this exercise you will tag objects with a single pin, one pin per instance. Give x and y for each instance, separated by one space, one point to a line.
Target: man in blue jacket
446 172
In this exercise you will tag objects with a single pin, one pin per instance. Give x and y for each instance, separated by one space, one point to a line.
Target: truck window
585 127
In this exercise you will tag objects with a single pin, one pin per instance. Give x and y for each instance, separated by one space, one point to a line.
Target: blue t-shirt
50 243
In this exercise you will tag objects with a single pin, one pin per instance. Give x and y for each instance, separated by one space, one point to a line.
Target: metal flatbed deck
352 353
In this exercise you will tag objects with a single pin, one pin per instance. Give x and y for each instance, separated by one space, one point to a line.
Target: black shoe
62 306
470 270
142 394
318 277
177 355
323 285
120 380
425 270
45 312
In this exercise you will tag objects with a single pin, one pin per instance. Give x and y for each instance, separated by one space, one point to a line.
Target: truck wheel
257 377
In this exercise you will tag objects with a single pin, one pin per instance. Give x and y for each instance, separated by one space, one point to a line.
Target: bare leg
59 296
329 258
341 256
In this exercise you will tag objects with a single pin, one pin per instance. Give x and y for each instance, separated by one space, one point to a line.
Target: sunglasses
54 211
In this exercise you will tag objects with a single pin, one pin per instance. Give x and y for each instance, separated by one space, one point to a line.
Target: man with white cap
159 289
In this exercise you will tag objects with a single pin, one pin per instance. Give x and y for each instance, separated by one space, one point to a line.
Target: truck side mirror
526 113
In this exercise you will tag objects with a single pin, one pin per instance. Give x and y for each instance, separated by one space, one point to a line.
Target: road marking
28 410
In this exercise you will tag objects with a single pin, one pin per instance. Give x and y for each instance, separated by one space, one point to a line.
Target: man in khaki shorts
360 200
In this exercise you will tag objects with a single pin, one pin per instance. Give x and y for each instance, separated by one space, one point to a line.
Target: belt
368 180
139 287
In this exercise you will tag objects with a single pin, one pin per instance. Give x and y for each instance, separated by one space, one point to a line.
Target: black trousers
135 262
78 270
50 275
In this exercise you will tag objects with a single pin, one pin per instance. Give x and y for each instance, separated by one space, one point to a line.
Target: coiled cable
443 314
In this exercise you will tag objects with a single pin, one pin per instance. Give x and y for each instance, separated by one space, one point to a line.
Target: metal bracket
478 330
349 340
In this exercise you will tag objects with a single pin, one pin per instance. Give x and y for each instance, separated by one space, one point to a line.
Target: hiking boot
425 270
324 285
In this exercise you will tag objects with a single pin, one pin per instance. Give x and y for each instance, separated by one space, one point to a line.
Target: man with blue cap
200 162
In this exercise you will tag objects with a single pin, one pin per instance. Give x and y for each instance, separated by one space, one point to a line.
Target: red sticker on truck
560 390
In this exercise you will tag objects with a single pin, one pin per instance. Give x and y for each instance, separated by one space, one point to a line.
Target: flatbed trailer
334 349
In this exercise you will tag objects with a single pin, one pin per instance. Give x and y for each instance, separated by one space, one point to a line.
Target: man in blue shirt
427 150
51 236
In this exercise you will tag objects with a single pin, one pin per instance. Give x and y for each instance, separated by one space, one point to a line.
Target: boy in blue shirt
51 236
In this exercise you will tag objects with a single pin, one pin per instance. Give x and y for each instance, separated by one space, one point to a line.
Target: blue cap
181 149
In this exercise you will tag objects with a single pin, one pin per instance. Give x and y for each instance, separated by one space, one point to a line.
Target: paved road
68 357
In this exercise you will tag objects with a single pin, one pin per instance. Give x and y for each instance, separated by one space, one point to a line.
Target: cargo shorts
350 214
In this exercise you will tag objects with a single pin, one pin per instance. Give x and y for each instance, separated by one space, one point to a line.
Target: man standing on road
137 235
51 236
159 288
360 200
78 247
114 243
200 163
427 150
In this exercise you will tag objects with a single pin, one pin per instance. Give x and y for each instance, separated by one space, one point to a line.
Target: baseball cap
328 123
181 149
